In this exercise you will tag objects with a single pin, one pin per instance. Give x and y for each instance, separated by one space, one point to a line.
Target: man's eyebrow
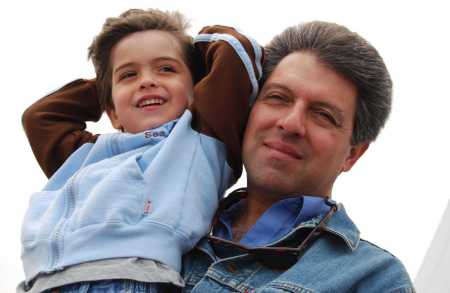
279 86
283 87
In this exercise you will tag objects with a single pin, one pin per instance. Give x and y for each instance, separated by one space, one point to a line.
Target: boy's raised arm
55 125
231 64
222 98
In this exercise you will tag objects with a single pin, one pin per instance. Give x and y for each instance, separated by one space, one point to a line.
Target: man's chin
274 185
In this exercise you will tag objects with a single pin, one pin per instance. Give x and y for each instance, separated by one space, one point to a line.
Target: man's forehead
303 74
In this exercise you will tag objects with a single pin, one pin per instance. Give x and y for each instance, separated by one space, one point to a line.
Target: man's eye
275 97
167 68
328 117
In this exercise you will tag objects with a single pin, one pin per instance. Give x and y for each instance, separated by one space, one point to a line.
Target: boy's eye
127 74
166 68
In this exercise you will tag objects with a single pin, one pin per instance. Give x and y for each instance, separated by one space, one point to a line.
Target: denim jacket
338 261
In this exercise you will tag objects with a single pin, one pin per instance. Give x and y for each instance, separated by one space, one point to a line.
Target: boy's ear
114 119
356 152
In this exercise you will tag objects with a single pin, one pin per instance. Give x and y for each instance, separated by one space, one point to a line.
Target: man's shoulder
375 249
368 265
380 269
378 255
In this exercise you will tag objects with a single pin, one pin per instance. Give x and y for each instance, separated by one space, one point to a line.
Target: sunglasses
274 257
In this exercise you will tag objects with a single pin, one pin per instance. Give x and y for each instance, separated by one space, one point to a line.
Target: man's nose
292 122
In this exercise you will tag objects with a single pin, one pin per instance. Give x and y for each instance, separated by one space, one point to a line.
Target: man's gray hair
349 55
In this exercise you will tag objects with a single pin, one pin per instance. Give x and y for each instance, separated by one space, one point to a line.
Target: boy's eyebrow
162 58
123 66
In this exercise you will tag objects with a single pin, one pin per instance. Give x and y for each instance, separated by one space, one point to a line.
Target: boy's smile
151 83
150 102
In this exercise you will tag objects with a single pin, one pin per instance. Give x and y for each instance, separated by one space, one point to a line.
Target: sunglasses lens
276 259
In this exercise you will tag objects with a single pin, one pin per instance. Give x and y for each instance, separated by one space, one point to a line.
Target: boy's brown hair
132 21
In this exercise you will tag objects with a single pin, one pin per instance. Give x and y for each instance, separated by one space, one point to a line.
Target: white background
396 193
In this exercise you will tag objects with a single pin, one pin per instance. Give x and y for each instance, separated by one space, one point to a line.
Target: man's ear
356 151
114 119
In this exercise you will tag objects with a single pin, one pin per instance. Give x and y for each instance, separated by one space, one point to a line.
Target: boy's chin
144 127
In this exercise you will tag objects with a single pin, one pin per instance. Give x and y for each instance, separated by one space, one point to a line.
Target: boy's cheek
114 119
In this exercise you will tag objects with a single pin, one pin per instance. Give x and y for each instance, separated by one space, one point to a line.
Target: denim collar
339 224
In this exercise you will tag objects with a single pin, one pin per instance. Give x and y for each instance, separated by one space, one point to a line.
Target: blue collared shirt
276 222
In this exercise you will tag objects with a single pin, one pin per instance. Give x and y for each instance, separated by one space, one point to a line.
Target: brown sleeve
55 125
222 97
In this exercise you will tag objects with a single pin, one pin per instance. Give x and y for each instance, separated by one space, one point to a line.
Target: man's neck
253 207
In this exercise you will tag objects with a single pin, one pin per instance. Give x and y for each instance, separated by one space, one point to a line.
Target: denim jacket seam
214 275
208 253
250 276
350 244
294 287
378 247
353 245
403 289
221 277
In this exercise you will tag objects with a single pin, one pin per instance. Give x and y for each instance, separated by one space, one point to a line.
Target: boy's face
151 83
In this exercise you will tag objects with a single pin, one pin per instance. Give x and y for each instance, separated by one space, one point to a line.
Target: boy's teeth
154 101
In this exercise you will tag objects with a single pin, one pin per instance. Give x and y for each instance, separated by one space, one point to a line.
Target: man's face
298 135
151 83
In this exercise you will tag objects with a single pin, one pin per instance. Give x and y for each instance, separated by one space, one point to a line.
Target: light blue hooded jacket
148 195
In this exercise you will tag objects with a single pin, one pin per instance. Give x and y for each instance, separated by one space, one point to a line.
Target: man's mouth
283 148
150 101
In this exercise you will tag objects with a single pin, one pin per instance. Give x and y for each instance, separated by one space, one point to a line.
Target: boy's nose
148 81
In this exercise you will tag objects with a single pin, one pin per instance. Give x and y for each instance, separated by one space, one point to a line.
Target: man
326 95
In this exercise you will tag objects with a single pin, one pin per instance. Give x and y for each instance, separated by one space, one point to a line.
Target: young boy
122 209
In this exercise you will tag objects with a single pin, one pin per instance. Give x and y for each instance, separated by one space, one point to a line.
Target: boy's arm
222 98
55 125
